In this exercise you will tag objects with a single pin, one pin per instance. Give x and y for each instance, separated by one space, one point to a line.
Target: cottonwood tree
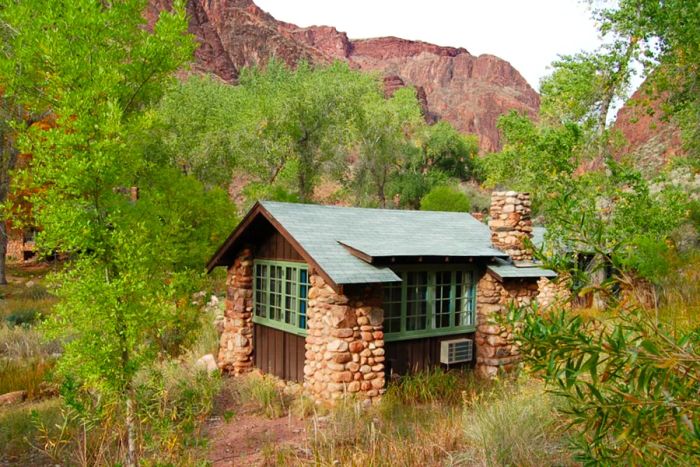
384 129
99 69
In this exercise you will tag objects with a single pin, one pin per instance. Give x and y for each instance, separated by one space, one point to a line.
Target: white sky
527 33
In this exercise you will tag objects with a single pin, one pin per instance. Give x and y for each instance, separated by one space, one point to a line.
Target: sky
530 34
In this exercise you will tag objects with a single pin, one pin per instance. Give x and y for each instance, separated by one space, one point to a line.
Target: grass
18 430
520 425
25 375
265 392
432 418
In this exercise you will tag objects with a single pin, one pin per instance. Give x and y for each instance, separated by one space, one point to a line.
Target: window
429 302
280 291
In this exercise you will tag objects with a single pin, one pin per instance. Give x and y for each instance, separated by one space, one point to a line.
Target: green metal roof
322 231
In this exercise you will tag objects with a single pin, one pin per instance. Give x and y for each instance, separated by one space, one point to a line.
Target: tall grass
518 425
18 431
265 392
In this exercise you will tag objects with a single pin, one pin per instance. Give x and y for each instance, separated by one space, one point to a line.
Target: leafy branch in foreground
630 385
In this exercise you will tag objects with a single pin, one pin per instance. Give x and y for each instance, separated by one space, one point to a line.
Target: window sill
280 326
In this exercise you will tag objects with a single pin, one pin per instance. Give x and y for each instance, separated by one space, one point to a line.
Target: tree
447 150
384 128
100 71
445 198
277 123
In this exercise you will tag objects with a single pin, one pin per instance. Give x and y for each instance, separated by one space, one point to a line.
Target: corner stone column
236 348
496 349
345 343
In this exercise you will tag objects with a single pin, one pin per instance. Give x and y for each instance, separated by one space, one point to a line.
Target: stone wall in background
236 349
15 247
345 343
510 223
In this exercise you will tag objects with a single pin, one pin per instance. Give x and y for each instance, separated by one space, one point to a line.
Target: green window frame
280 295
435 301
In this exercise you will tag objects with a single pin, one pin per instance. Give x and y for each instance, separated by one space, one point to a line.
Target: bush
445 198
628 382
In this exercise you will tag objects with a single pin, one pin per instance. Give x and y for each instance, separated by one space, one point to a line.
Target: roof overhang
233 242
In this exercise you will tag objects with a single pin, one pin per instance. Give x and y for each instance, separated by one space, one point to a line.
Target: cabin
343 299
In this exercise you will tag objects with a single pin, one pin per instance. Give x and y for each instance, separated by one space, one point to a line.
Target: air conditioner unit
456 351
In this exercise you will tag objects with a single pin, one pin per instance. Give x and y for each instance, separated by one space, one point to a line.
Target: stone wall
345 343
553 292
496 349
510 223
15 246
236 349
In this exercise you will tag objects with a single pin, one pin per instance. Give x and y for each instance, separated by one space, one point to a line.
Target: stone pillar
236 349
345 342
510 223
496 349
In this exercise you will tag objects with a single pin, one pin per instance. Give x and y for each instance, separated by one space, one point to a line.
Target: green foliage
445 198
447 150
627 381
533 159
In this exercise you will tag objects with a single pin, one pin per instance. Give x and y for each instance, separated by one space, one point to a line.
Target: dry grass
435 418
18 431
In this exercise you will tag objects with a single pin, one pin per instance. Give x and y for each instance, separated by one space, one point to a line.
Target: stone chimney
511 223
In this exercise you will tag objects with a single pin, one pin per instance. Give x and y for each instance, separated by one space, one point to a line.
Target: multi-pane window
429 302
281 291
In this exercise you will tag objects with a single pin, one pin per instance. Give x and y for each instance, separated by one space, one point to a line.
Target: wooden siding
411 356
279 353
275 246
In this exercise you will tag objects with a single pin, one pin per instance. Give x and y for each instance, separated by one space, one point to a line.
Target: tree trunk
131 458
3 252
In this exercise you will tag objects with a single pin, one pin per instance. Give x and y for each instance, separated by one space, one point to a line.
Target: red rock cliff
470 92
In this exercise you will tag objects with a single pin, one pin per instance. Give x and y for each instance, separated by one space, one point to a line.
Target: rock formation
468 91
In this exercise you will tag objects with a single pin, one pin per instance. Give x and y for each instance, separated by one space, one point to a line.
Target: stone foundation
345 343
236 349
510 223
496 349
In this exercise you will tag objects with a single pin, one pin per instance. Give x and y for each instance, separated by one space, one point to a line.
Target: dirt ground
241 436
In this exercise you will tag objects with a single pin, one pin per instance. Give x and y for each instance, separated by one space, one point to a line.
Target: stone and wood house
341 299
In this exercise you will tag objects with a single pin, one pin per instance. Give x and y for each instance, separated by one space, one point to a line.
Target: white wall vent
456 351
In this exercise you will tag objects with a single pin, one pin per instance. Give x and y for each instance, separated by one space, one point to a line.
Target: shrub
18 432
445 198
629 382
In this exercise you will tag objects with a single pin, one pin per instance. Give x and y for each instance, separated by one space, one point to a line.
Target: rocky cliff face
468 91
649 138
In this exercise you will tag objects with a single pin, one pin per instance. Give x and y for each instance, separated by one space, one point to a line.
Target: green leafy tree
100 70
277 124
445 198
447 150
383 128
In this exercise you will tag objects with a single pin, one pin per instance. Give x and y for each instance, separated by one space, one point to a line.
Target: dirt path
241 436
250 439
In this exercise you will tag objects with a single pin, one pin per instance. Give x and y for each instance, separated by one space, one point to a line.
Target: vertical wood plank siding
275 246
415 355
279 353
